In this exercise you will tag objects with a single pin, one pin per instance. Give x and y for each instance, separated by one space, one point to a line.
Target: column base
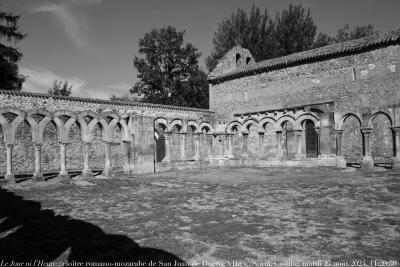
340 162
10 178
38 177
107 172
64 176
396 164
367 163
87 173
127 171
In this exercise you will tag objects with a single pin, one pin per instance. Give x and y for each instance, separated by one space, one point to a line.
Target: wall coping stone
102 101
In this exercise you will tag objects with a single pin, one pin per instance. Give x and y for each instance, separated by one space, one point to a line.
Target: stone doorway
311 139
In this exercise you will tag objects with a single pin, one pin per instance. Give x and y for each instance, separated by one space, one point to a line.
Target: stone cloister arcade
68 128
107 141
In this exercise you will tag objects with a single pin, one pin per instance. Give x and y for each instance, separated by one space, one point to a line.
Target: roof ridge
317 54
101 101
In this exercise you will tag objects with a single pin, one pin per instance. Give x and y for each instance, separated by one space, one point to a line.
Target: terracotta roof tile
317 54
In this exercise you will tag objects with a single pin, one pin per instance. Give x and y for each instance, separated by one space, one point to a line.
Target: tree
295 30
60 89
345 34
10 79
291 31
254 33
168 70
323 39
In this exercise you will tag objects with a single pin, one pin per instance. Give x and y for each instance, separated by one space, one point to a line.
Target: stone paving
216 216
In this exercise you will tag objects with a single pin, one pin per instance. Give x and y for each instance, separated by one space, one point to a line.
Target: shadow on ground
29 233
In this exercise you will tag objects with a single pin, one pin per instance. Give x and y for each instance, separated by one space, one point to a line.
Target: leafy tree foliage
346 34
168 70
294 31
323 39
10 79
291 31
60 89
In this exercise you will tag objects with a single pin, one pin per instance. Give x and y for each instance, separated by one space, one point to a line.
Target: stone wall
361 85
36 107
361 81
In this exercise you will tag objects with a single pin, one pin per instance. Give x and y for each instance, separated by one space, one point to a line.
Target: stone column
244 146
10 178
396 140
339 134
127 156
340 161
107 166
182 143
209 146
63 161
298 144
86 172
196 138
38 175
367 161
223 142
279 144
261 145
230 151
167 157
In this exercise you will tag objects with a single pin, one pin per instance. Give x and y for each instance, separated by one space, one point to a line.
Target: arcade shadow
28 233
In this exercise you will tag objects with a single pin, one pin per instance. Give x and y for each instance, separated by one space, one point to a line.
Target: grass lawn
208 217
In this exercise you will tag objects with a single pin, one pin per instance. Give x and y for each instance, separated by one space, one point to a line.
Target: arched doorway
159 139
311 136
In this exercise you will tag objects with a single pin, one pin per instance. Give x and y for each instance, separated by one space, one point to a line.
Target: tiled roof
102 101
309 56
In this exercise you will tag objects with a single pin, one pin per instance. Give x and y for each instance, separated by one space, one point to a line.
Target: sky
91 43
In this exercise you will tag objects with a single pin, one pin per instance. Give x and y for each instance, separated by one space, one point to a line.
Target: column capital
338 131
63 143
396 129
167 135
37 146
9 145
366 130
209 136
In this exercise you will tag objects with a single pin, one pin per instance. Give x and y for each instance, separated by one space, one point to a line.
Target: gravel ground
215 217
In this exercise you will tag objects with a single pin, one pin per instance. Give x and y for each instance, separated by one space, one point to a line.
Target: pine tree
10 79
60 89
